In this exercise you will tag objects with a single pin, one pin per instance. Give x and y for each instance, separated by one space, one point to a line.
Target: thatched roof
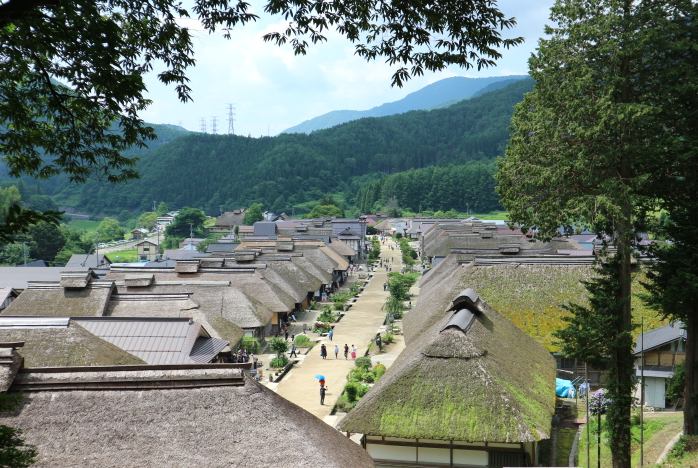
208 426
484 381
341 248
10 362
50 298
341 263
70 346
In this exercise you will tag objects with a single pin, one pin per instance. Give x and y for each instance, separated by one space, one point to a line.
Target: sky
271 89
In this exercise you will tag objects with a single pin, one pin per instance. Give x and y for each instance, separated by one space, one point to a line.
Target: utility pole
191 233
25 253
153 206
231 119
214 122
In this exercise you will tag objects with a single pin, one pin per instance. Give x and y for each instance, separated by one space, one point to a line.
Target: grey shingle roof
660 336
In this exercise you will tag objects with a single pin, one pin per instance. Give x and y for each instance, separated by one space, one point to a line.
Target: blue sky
272 89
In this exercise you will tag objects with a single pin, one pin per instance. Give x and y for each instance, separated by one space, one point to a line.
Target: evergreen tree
591 146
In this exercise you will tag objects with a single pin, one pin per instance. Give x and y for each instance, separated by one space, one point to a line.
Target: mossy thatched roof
209 426
71 346
531 296
492 383
52 299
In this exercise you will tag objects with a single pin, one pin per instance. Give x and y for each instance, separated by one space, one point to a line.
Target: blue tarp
564 388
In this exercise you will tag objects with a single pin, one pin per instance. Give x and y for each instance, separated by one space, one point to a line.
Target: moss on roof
529 295
498 385
72 346
227 330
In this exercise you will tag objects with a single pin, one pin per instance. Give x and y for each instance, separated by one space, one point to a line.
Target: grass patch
565 439
90 227
658 430
123 256
684 454
501 214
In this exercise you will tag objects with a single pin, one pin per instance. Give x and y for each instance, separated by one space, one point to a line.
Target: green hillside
207 171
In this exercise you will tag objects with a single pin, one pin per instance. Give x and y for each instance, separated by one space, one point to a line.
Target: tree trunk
621 377
690 412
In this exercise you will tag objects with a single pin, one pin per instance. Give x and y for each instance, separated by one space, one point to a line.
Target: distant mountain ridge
435 95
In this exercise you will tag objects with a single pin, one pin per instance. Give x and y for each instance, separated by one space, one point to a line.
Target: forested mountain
206 171
165 134
436 95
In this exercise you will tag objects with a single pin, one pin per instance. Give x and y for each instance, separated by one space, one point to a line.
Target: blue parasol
320 377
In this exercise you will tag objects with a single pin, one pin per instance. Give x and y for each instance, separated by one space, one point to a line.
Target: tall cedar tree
590 146
71 84
673 286
673 291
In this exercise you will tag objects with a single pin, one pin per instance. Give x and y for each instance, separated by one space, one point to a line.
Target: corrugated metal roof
156 341
206 349
264 228
25 322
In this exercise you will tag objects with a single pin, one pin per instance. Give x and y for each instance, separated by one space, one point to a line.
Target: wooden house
148 249
472 390
657 352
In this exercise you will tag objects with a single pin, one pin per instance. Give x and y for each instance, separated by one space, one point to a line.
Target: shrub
379 370
301 340
279 361
388 338
279 345
252 345
327 315
363 362
341 297
369 377
362 390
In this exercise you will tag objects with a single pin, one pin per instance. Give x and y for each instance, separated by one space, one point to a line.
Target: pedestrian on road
346 351
254 361
322 395
353 352
385 286
330 334
286 333
323 351
336 351
293 350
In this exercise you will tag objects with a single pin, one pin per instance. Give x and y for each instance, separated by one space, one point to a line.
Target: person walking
346 351
293 350
330 334
336 351
353 352
323 351
322 395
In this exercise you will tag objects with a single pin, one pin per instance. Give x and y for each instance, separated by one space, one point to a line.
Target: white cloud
274 89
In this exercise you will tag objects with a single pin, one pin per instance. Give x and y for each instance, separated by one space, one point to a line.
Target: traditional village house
226 222
140 233
353 233
657 352
66 341
471 390
148 249
179 416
